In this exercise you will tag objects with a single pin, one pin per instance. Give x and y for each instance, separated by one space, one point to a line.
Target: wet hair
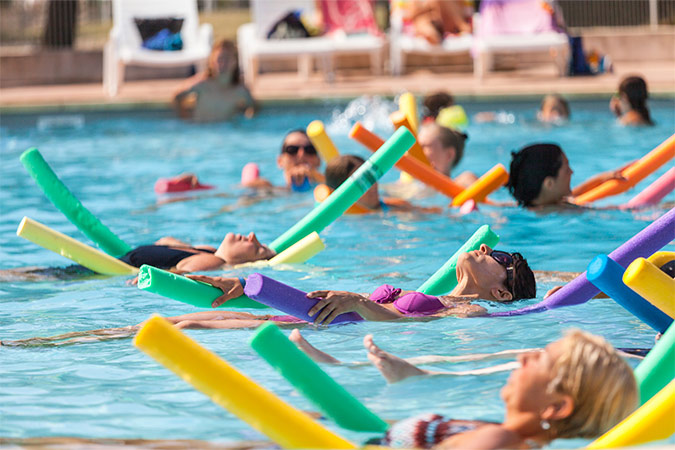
560 105
297 130
524 284
635 89
669 268
435 102
529 168
340 168
229 47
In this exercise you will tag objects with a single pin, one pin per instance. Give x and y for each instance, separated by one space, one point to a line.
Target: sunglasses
294 149
505 259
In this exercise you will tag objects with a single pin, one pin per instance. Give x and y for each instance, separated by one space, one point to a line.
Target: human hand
552 291
133 281
331 304
231 287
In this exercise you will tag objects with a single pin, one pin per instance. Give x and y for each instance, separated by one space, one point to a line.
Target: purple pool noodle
648 241
292 301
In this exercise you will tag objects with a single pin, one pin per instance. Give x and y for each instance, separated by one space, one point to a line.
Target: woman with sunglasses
300 162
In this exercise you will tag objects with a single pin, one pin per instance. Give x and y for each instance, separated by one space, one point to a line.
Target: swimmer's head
539 175
297 149
442 146
633 95
223 61
239 249
553 108
433 103
341 168
496 275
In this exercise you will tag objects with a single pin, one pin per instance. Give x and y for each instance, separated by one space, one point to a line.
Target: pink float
170 185
655 192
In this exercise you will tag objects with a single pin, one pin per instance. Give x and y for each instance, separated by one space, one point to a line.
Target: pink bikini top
410 304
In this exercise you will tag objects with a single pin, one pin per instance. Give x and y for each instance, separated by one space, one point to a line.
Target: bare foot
392 367
311 351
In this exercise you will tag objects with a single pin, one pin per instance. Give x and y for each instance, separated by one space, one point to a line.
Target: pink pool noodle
655 192
169 185
249 173
467 207
292 301
648 241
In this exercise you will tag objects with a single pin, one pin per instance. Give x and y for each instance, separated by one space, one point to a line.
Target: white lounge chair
124 44
253 45
516 26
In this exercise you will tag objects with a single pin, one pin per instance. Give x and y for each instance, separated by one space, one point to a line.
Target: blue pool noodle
648 241
292 301
606 274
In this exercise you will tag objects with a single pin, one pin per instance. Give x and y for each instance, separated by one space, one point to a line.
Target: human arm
199 262
486 437
231 287
297 174
331 304
597 180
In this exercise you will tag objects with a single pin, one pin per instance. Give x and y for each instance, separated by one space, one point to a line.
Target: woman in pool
630 104
444 149
540 175
577 387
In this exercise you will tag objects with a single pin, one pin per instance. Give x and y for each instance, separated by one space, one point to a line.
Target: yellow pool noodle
72 249
653 421
322 142
234 391
408 105
482 187
301 251
652 284
660 258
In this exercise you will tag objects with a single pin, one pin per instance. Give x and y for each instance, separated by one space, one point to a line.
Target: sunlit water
111 161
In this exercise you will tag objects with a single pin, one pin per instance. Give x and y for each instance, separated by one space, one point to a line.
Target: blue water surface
111 160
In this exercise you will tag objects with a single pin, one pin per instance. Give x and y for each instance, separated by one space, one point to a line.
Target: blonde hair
600 382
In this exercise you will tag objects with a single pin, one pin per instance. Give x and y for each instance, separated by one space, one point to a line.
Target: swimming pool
111 161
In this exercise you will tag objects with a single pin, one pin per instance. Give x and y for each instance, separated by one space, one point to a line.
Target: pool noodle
399 119
348 192
83 254
658 367
301 251
655 192
408 106
65 201
408 164
445 278
322 192
661 258
651 239
287 299
231 389
650 282
183 289
322 142
606 275
484 186
653 421
310 380
633 174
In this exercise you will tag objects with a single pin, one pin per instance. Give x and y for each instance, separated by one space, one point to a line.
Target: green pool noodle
658 367
311 381
68 204
183 289
445 278
350 191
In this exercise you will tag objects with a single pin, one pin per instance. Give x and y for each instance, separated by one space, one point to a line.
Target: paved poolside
535 81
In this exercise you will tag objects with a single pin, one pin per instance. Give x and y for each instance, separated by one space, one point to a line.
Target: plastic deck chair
124 44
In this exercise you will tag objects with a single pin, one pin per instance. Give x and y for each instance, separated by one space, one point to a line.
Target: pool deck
533 81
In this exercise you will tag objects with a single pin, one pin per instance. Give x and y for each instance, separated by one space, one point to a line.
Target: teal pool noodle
70 206
350 191
445 278
311 381
658 367
183 289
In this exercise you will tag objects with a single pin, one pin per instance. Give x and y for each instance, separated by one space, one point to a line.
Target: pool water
111 161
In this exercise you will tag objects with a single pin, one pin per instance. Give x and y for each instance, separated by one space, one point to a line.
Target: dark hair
435 102
669 268
340 168
453 138
297 130
228 46
560 105
635 89
524 284
529 168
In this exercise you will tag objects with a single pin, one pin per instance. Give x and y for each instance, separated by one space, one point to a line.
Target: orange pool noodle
633 174
322 191
420 171
399 119
482 187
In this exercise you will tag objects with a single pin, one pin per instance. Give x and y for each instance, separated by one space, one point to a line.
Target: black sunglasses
505 259
294 149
